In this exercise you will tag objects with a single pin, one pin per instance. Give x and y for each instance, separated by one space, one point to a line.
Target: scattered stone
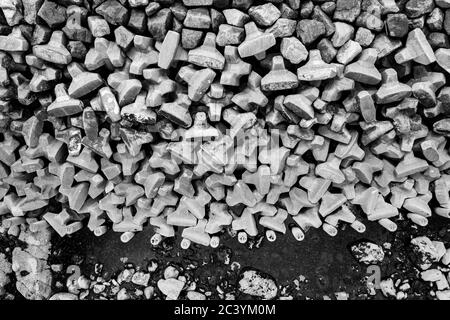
310 30
229 35
198 18
63 296
367 252
140 278
264 15
33 276
125 276
257 284
347 10
194 295
283 28
171 272
159 24
171 288
191 39
387 288
417 8
113 12
148 292
5 270
424 253
52 13
397 24
293 50
123 294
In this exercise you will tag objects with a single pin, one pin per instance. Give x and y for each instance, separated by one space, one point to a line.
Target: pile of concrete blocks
200 117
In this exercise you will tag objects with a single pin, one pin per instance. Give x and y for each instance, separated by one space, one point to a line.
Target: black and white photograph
214 158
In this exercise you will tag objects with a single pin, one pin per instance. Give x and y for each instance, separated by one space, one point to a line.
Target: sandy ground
322 265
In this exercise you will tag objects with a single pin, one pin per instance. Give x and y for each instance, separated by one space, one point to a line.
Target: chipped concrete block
417 49
316 69
207 55
256 42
